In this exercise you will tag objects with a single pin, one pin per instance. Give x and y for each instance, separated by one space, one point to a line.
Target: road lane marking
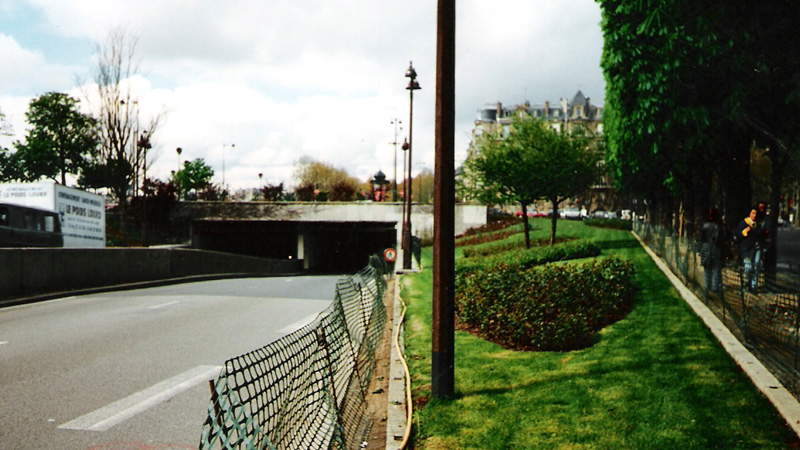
122 410
163 305
3 342
292 327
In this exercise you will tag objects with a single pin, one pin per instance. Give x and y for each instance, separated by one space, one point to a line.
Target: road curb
396 408
786 404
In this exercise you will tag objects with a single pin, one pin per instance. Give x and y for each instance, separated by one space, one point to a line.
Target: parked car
602 214
531 213
571 213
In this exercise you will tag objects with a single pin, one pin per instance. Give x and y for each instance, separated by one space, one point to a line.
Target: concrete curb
396 408
783 401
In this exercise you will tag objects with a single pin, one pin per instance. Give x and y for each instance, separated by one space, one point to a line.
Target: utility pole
443 316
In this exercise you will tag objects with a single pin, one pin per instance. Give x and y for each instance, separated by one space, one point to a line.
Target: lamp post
395 122
144 145
179 151
413 85
223 163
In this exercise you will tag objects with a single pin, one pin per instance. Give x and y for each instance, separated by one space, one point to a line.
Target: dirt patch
378 391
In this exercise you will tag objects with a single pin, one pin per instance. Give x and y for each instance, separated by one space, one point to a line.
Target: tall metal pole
396 122
413 85
443 315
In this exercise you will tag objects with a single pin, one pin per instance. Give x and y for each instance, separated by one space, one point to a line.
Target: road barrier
306 390
766 320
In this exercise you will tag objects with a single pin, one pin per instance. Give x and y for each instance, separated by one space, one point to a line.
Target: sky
252 86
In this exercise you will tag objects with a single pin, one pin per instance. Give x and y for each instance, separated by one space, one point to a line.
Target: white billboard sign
83 221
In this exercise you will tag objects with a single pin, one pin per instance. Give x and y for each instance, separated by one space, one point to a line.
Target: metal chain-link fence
765 319
306 390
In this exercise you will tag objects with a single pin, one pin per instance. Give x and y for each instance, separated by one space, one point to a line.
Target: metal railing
766 320
306 390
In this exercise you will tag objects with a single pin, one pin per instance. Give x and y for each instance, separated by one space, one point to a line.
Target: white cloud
287 78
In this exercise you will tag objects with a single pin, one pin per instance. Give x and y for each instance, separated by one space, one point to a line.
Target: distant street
130 370
788 249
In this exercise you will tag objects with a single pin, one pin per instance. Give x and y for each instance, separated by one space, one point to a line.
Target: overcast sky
283 79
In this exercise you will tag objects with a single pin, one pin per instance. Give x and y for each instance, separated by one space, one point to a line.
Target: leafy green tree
195 176
689 87
60 140
532 162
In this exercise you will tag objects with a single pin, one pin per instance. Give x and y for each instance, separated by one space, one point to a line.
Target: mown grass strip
654 380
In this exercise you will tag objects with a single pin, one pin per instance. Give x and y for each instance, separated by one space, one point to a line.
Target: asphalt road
130 370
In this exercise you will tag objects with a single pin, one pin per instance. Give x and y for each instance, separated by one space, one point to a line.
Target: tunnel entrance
324 247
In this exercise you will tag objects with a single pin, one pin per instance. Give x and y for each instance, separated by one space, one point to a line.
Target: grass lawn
657 379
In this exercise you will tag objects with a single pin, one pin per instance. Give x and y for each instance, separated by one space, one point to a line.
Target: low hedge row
525 258
617 224
552 307
515 244
476 239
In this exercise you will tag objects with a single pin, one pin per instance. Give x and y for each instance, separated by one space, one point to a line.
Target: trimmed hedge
553 307
522 259
516 244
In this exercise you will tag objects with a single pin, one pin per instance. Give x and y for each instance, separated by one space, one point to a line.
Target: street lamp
413 85
179 151
223 163
395 122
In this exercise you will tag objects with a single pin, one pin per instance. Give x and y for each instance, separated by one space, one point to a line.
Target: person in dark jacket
750 235
711 239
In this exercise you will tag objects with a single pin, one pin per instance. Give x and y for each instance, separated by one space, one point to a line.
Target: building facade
569 116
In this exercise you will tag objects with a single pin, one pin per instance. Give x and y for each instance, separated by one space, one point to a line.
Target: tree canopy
195 176
532 162
60 140
690 86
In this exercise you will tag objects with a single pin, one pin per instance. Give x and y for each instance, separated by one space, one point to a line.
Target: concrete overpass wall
30 271
466 216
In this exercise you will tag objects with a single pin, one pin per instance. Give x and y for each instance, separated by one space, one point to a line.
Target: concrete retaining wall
33 271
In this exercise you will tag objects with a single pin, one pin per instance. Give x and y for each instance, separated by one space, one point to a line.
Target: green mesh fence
766 321
306 390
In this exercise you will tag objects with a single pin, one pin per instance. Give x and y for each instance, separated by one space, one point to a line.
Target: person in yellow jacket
750 236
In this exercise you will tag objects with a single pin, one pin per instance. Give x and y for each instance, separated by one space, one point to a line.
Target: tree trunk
553 221
525 226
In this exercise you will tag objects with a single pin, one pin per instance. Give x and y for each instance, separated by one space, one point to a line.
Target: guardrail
306 390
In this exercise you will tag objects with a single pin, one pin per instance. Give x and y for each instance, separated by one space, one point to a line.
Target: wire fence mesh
765 319
306 390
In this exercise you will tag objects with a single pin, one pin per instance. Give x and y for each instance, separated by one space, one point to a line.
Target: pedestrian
711 240
750 235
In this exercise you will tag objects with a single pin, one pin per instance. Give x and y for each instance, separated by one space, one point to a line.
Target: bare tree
125 141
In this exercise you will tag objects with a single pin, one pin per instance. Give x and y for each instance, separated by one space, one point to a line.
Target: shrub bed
476 239
525 258
554 307
617 224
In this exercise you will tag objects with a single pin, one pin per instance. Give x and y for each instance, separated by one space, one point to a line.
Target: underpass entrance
324 247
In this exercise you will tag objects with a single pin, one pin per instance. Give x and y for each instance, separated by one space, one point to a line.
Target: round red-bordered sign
390 254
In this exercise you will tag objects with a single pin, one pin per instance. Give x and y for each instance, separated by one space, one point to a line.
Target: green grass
658 379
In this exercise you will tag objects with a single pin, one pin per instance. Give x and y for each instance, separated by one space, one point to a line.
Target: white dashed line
122 410
163 305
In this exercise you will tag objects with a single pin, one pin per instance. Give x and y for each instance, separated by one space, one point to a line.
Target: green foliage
195 176
60 140
689 87
554 307
525 258
617 224
532 162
